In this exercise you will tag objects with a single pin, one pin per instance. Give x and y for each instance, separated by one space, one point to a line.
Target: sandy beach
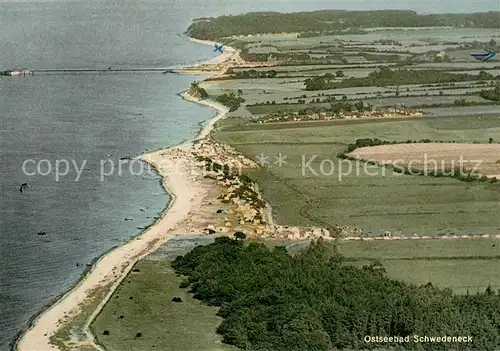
174 165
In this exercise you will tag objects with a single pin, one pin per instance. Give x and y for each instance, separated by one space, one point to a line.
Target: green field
461 265
144 301
283 90
462 276
368 197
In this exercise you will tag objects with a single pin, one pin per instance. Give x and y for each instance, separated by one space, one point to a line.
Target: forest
315 300
332 21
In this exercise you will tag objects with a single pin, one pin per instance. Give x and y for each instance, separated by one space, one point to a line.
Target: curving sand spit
216 66
174 165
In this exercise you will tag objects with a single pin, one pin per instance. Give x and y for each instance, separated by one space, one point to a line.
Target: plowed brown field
477 158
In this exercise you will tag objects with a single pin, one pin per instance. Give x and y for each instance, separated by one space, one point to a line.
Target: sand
218 66
187 192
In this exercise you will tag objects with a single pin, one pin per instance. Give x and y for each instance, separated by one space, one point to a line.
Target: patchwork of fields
358 56
315 187
307 184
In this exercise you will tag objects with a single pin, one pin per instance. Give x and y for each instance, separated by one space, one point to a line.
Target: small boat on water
41 233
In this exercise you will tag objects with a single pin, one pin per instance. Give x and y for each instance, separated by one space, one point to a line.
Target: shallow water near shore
90 121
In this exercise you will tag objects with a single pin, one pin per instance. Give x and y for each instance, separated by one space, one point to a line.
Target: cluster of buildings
386 113
299 233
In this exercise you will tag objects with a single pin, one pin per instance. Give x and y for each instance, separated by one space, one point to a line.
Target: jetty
31 72
104 70
24 72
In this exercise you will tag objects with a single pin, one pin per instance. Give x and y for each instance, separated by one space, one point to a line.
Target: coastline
173 165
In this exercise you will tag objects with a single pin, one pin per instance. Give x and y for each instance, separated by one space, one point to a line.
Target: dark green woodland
314 300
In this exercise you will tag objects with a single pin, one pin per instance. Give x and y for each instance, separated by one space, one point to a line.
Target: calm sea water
86 119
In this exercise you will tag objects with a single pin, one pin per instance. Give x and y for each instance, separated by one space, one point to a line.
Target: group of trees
302 100
493 94
197 91
332 21
230 100
271 300
326 81
344 106
385 76
381 58
252 73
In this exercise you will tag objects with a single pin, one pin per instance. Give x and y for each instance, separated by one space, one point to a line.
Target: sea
69 135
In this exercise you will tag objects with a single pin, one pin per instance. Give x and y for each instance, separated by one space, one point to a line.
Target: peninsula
313 111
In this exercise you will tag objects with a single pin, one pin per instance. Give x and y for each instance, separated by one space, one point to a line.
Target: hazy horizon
225 7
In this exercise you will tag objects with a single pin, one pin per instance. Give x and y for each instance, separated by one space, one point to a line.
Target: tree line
314 300
332 20
252 73
385 76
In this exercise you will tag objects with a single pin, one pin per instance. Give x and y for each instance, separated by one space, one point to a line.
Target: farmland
461 265
435 157
306 183
362 195
357 56
356 193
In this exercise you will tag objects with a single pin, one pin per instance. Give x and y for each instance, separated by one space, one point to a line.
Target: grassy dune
143 304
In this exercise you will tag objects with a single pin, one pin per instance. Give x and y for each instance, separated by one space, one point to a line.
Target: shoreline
113 266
